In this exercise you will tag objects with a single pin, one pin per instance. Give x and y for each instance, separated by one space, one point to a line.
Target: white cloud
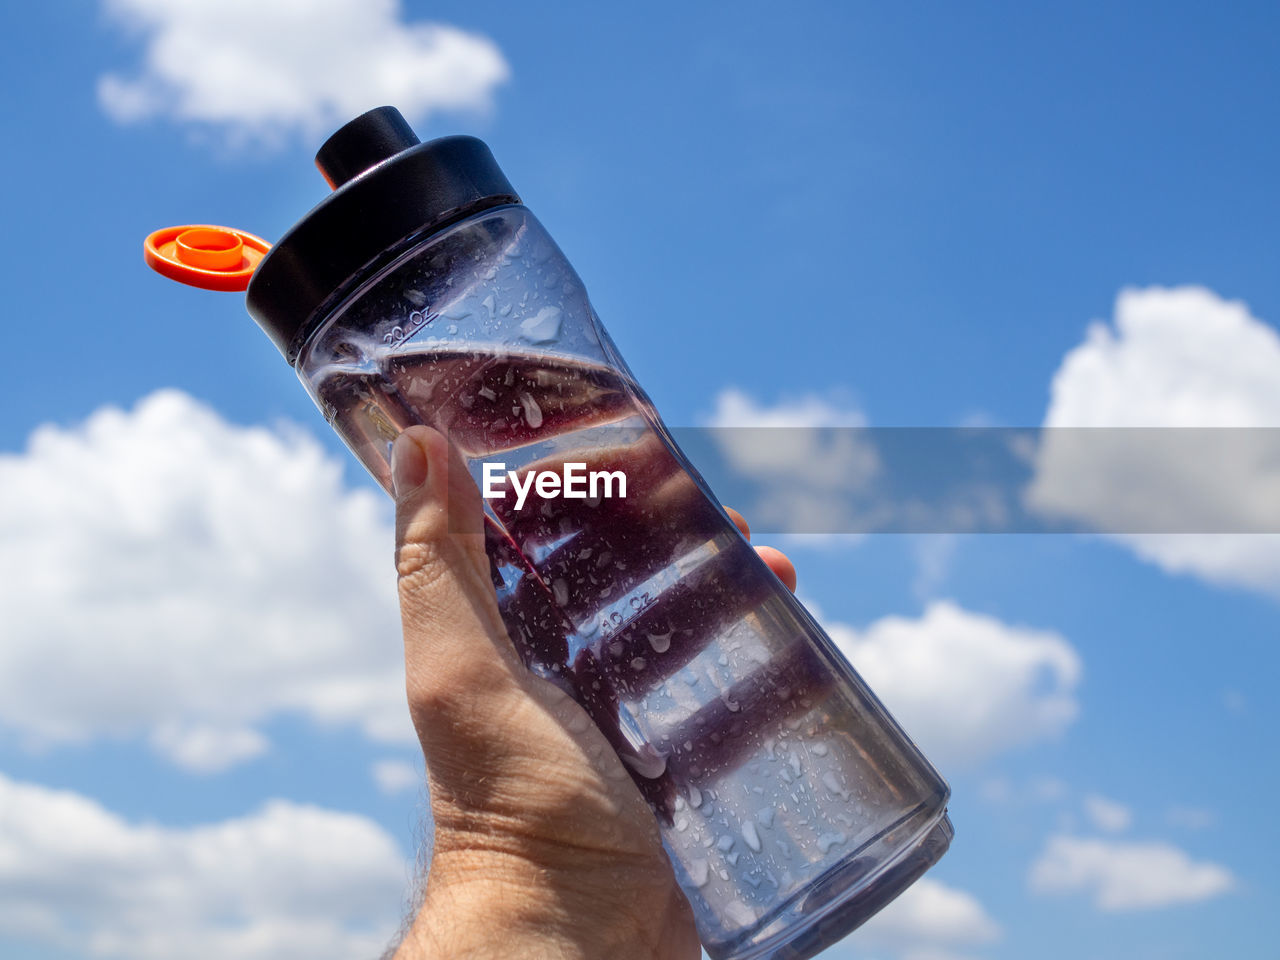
396 776
1190 818
1107 814
735 408
1180 357
261 69
1001 790
166 574
1048 789
286 881
806 473
202 748
1123 876
1235 702
934 555
929 920
966 685
812 466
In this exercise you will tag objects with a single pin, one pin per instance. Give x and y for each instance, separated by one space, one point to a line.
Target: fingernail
408 465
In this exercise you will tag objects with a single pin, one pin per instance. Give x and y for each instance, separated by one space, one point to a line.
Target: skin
541 838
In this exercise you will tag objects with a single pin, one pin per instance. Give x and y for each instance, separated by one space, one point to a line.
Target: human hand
541 837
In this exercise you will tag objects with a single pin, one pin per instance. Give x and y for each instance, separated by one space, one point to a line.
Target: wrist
488 905
477 906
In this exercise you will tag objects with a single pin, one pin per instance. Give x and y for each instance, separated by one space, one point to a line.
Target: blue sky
908 214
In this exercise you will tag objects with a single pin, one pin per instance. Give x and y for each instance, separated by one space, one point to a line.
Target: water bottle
422 291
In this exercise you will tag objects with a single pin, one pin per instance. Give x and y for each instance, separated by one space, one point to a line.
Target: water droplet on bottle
829 840
543 326
739 913
532 412
819 750
638 663
725 843
647 762
416 297
750 835
766 816
699 872
831 783
661 642
695 797
561 591
681 824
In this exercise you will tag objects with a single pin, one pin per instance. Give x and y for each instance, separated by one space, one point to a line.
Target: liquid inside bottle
779 782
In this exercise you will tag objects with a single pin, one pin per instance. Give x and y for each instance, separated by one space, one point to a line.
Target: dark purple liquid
770 768
609 598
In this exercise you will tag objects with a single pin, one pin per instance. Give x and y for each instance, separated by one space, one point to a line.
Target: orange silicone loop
203 255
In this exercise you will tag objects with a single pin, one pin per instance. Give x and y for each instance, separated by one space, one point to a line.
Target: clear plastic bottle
791 804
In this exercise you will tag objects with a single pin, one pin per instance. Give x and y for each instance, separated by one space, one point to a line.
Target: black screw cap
387 188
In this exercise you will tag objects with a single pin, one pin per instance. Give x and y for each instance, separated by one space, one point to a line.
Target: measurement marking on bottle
417 320
614 621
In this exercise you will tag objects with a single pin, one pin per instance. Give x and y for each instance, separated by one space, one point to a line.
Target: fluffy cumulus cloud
1107 814
805 472
170 575
1186 358
1124 876
285 881
260 69
930 921
966 685
397 776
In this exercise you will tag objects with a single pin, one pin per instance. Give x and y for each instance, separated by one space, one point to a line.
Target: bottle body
791 804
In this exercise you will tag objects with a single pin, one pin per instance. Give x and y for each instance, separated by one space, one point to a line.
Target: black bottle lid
387 186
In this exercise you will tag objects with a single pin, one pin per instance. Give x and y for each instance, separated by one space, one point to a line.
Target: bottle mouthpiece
364 143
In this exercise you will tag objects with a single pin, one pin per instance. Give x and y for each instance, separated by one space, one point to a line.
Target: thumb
460 667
